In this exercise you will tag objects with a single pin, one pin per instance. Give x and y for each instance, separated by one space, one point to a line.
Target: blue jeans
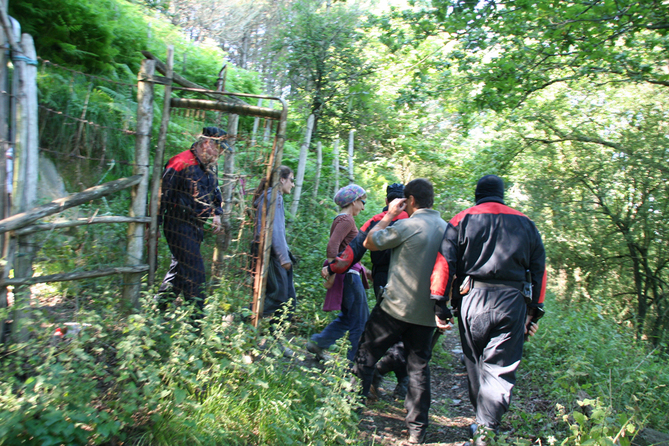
353 317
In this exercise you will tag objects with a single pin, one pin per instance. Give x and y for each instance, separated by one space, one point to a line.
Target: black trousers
383 331
492 326
186 274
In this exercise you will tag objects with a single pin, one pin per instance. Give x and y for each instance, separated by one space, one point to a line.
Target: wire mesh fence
87 134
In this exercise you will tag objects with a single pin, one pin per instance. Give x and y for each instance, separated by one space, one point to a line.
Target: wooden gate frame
226 102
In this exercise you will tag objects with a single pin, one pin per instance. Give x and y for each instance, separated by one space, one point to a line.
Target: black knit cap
395 190
489 188
215 132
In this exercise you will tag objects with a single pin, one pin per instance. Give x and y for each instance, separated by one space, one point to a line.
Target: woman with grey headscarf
348 289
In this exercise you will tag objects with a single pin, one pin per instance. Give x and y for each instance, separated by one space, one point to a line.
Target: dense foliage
565 100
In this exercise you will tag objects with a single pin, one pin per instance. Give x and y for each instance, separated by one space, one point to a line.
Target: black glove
442 311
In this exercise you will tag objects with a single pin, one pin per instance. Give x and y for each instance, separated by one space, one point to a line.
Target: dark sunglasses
363 201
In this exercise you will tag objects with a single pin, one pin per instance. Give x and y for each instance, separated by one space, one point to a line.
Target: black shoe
472 430
374 389
312 347
400 392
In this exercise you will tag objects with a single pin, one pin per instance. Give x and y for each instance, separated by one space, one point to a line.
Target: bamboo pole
302 166
158 161
135 247
319 166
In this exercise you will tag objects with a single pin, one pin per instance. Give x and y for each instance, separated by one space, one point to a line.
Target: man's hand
396 207
216 223
325 273
368 274
444 324
531 328
286 266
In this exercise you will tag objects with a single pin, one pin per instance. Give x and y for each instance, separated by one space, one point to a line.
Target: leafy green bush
161 379
579 355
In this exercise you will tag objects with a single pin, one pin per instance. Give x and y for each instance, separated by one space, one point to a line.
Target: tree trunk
302 166
135 247
319 165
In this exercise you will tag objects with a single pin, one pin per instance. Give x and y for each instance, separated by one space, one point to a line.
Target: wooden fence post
256 124
158 168
319 165
351 177
4 146
268 125
335 161
135 247
302 166
27 149
229 181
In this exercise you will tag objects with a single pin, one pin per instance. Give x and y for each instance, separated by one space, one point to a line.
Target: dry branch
79 222
75 276
25 218
237 109
162 68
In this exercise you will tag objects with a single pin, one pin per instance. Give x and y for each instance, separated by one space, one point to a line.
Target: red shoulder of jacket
182 160
377 218
486 208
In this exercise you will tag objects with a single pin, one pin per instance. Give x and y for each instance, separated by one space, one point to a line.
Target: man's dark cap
215 132
489 188
395 190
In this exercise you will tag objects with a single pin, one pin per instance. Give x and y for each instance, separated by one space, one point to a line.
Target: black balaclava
489 188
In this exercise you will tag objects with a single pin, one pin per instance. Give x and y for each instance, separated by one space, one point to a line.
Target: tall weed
159 378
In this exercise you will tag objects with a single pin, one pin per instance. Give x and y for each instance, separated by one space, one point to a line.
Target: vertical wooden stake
157 168
351 178
335 162
302 166
27 147
135 247
319 165
223 239
256 124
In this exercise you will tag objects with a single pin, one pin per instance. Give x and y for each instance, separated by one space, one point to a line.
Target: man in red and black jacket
493 259
189 196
